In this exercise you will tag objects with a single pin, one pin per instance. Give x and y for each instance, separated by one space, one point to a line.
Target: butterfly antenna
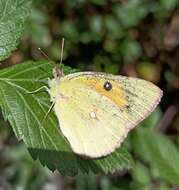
62 48
59 72
44 54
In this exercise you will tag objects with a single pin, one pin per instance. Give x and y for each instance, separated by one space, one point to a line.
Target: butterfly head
58 73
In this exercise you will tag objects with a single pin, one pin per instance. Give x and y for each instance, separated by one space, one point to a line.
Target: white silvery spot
93 115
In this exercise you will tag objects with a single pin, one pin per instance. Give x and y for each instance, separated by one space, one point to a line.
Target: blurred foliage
131 37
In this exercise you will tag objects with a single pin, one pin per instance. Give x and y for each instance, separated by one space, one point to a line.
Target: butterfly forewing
96 118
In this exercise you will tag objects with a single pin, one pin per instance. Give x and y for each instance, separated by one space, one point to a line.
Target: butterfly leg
39 90
49 110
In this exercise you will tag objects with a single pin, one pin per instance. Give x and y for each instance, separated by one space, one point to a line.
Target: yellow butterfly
97 110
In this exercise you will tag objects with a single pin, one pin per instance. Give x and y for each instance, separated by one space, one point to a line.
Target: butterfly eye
107 86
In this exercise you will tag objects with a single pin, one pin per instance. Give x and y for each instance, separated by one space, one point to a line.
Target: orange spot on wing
116 94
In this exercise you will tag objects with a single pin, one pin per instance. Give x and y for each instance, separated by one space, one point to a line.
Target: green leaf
141 174
159 152
44 140
169 5
131 13
13 14
151 121
130 49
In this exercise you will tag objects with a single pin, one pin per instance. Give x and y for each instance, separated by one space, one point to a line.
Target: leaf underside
13 14
26 112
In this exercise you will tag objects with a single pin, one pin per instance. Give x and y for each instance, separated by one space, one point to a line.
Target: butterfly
97 110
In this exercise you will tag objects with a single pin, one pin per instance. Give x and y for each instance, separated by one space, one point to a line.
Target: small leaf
159 152
131 13
169 5
44 140
130 50
13 14
141 174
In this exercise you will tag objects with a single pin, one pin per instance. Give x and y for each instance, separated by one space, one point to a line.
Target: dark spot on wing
107 86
